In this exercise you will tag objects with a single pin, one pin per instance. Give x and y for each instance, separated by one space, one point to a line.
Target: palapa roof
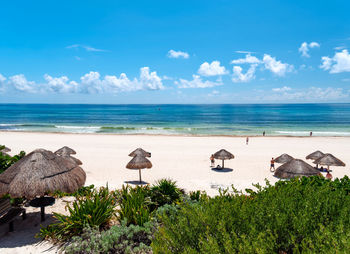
65 151
140 151
73 159
329 160
295 168
139 162
284 158
40 172
223 155
315 155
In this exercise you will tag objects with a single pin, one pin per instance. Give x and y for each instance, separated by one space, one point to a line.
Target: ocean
236 120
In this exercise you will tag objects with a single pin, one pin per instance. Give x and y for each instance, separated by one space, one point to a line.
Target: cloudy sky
220 51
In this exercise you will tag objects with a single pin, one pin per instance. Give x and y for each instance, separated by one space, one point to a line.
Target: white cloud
89 83
2 78
340 62
19 82
276 67
339 48
61 84
197 82
178 54
212 69
248 59
305 47
281 89
244 52
87 48
239 76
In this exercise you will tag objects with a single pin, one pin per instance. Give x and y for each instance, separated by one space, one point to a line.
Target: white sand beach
184 159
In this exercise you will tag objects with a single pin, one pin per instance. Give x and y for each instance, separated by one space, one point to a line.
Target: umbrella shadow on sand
24 230
136 182
222 170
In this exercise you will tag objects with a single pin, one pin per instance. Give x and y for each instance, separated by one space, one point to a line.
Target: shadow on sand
222 170
136 182
24 231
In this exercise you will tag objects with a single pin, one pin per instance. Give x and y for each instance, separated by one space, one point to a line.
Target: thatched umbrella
314 156
73 159
65 151
284 158
140 151
39 173
223 155
295 168
139 162
329 160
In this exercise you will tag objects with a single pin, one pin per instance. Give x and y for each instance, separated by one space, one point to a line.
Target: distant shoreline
170 135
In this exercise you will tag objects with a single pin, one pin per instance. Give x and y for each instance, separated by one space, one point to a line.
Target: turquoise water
247 119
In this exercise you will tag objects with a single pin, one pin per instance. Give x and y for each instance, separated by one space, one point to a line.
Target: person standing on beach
310 133
212 160
272 165
247 140
264 134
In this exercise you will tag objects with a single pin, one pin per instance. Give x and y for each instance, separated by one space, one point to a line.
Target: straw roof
5 150
315 155
40 172
73 159
295 168
139 162
140 151
223 155
284 158
65 151
329 160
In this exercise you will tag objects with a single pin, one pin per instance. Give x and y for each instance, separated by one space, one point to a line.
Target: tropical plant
303 215
94 210
81 192
6 160
134 205
117 239
164 192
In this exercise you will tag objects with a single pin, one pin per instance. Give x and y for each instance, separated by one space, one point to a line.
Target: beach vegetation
81 192
118 239
6 160
301 215
94 210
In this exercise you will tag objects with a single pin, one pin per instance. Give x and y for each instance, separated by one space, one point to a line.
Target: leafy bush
96 209
81 192
164 192
6 160
134 205
301 215
118 239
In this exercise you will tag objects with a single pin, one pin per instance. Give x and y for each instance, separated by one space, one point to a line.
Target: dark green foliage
117 239
134 205
164 192
81 192
96 209
309 215
6 160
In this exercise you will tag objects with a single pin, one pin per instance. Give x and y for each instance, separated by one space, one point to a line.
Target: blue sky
174 51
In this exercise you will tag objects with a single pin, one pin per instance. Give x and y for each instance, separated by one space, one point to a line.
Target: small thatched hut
284 158
140 151
295 168
329 160
65 151
315 155
223 155
139 162
40 172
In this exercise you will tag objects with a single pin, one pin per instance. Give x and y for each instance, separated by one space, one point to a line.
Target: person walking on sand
272 165
247 140
212 160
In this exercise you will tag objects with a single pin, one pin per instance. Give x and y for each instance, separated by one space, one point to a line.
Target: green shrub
309 215
96 209
6 160
117 239
164 192
81 192
134 205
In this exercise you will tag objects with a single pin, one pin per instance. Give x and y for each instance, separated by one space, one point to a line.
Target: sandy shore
181 158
